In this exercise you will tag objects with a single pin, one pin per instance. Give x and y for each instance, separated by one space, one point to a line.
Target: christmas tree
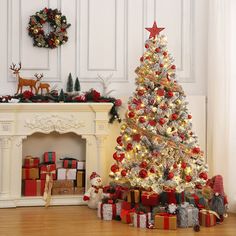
157 148
69 87
77 85
61 97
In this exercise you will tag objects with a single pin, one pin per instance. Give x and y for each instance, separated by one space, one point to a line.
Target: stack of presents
167 210
68 179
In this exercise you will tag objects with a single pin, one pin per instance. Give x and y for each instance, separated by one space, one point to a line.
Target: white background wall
107 37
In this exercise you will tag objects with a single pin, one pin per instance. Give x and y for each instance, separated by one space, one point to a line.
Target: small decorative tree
61 96
69 87
77 85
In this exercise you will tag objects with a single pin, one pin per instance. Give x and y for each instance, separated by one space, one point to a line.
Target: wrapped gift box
180 197
49 157
63 173
80 178
63 183
167 197
207 218
70 163
187 215
30 161
81 165
79 190
165 221
149 198
49 169
62 191
33 187
30 173
127 216
133 196
108 211
141 219
196 199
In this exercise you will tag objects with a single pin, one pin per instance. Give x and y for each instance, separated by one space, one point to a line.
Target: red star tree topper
157 148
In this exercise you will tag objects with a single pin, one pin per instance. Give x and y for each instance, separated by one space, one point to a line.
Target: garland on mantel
53 97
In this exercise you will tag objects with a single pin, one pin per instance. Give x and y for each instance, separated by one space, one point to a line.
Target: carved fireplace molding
18 121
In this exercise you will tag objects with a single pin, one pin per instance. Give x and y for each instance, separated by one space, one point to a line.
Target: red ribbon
101 210
166 219
171 197
196 199
138 218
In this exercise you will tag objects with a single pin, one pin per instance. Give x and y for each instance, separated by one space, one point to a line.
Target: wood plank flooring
79 220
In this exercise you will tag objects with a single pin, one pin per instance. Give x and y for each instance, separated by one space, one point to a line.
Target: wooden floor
79 220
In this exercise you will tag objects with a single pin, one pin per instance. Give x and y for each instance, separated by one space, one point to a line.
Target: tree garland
56 20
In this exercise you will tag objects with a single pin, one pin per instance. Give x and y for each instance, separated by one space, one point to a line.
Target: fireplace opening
48 150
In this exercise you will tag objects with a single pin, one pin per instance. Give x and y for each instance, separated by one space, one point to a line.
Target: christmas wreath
56 20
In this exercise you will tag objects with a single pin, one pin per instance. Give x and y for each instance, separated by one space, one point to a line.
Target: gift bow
204 211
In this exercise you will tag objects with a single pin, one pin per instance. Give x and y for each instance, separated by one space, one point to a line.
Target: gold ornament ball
140 80
178 102
123 127
36 31
57 41
57 16
168 131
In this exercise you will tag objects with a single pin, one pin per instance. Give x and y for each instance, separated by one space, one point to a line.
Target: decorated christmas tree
157 148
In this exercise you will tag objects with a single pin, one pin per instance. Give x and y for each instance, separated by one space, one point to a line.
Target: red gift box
49 157
48 170
31 161
149 199
126 215
30 173
70 164
33 187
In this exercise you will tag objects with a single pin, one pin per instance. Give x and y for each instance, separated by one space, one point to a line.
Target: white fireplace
20 121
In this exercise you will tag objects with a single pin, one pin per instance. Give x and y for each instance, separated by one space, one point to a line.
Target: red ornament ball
203 175
173 67
164 54
118 102
146 45
174 116
129 147
147 58
143 164
136 137
119 140
143 174
152 122
152 170
161 65
183 165
188 178
115 156
131 114
170 94
182 136
175 165
196 150
160 92
141 59
162 121
142 119
114 168
171 175
141 92
189 117
163 107
157 50
123 173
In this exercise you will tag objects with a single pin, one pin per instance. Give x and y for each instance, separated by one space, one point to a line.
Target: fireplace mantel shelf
19 121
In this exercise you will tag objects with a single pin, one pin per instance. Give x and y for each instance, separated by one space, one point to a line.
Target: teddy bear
94 193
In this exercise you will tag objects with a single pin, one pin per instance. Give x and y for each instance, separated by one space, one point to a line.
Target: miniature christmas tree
157 148
77 85
69 87
61 97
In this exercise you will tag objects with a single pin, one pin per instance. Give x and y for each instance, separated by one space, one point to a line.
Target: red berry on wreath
114 168
188 178
143 174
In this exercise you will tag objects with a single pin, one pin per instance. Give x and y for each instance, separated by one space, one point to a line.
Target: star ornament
154 31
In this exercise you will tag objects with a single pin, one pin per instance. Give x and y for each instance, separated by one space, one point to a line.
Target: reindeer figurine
41 85
21 81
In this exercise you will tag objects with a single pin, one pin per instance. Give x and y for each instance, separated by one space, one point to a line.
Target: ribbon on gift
204 211
119 192
125 215
139 214
48 185
38 187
